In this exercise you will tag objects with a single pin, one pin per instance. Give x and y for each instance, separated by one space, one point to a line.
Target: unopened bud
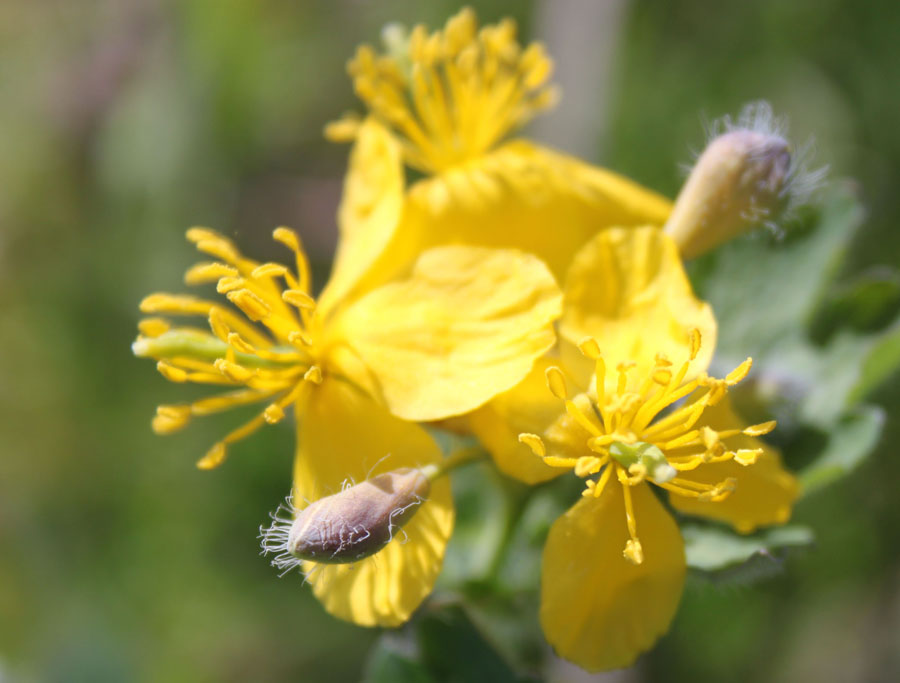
347 526
745 177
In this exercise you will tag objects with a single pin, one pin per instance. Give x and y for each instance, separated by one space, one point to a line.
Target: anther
313 375
273 413
253 307
590 348
230 283
557 382
739 373
239 343
269 270
170 372
297 298
633 552
535 443
202 273
287 237
299 338
587 465
153 327
747 456
233 371
696 341
760 429
213 458
170 418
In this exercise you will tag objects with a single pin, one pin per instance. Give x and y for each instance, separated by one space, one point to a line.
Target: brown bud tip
360 520
741 180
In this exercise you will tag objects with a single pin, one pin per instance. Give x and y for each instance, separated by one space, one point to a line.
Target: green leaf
851 439
866 304
762 288
388 663
714 549
882 362
453 649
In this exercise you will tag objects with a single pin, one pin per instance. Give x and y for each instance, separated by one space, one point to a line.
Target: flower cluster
444 302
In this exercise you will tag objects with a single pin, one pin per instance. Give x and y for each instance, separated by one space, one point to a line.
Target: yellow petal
343 434
598 609
467 324
627 289
528 407
765 491
519 196
530 198
370 209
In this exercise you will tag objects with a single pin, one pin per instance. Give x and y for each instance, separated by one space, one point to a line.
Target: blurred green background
125 122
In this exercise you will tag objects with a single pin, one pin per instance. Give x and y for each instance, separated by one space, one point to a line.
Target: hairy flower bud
346 526
746 176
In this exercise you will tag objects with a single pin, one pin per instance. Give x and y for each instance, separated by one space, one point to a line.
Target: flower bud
746 176
347 526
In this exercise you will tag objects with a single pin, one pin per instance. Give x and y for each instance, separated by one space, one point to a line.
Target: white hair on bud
344 527
802 180
274 539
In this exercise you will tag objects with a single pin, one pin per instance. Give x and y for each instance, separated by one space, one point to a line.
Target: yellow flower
463 324
443 103
631 407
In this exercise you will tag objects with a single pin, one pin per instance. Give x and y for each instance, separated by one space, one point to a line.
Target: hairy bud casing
360 520
741 179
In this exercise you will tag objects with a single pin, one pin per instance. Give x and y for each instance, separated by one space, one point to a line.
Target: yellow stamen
153 327
535 443
641 447
557 382
291 240
237 352
452 95
596 489
633 551
201 273
695 343
590 348
587 465
170 419
760 429
739 373
170 372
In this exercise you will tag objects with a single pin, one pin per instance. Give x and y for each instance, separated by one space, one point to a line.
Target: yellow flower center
454 94
268 353
628 437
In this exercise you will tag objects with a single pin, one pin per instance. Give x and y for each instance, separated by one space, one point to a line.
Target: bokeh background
123 122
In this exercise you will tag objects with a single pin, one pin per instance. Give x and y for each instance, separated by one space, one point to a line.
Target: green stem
458 458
